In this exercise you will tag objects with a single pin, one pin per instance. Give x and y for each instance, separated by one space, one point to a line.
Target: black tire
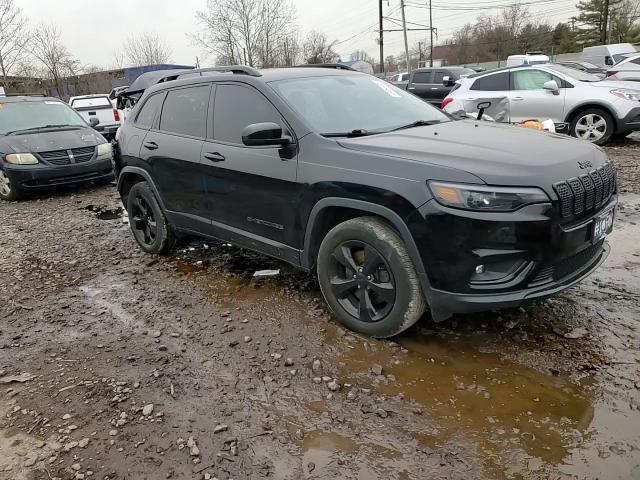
600 135
347 254
148 223
8 191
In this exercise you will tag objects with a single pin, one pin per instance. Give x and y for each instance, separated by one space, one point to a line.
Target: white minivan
607 55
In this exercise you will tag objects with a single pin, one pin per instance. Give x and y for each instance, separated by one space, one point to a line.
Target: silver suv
591 108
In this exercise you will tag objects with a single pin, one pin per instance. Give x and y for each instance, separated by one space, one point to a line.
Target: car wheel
147 221
8 191
594 125
368 279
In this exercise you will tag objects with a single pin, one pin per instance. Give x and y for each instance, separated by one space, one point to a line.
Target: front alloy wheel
594 125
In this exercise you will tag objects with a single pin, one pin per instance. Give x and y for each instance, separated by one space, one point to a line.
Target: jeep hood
498 154
50 140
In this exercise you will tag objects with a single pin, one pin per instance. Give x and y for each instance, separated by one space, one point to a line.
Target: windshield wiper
417 123
44 127
353 133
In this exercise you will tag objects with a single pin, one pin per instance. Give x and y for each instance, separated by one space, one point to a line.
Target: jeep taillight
116 115
446 102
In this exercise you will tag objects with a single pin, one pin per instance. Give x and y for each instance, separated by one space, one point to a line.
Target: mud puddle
105 213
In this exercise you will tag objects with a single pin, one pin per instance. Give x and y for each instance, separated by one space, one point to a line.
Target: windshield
335 104
575 74
16 116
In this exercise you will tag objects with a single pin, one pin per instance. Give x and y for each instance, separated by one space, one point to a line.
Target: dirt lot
119 365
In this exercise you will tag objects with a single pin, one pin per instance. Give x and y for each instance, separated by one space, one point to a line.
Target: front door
251 191
173 150
420 84
529 100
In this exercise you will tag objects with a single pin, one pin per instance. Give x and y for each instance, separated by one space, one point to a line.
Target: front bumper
28 177
630 123
529 254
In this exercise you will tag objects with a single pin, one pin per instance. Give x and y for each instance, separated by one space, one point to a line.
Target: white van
531 58
607 55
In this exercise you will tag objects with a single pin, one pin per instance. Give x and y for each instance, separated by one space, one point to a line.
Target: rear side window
492 83
98 102
438 75
636 61
148 112
185 111
237 107
422 77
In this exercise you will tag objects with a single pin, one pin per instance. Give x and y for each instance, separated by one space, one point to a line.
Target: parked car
45 143
627 69
593 109
393 203
400 79
607 55
531 58
100 108
433 84
585 67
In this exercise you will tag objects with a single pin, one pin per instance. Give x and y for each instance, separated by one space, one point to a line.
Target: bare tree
14 38
146 49
317 48
362 55
54 57
252 32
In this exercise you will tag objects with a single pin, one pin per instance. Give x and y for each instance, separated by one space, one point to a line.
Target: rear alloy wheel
7 190
368 278
593 125
147 221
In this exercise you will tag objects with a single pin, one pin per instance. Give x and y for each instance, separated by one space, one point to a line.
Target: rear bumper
108 131
27 177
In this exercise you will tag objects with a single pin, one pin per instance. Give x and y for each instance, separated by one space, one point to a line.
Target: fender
143 173
379 210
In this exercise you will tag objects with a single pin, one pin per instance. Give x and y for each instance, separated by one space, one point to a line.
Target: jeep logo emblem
585 164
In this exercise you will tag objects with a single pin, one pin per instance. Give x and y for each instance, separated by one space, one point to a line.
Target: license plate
602 225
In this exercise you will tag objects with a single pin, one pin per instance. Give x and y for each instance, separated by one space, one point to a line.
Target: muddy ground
119 365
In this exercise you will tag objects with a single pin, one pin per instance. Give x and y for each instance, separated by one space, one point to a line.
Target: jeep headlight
485 198
21 159
626 94
104 149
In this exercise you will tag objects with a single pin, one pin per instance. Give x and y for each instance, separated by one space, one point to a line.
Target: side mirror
552 86
93 122
608 60
264 134
448 81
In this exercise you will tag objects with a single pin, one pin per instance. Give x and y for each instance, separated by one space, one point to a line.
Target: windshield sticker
386 88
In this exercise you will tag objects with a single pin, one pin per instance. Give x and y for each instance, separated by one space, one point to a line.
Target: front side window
185 111
237 107
532 79
21 116
439 75
149 110
498 82
345 103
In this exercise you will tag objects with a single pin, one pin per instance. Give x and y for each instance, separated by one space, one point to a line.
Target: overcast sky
94 29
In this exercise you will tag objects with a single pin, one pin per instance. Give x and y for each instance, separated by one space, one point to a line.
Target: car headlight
627 94
21 159
104 149
485 198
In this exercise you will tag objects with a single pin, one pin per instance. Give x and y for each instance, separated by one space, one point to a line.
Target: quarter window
498 82
149 109
636 61
185 111
237 107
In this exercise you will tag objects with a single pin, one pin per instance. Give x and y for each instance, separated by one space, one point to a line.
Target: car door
251 191
437 91
528 99
173 150
420 83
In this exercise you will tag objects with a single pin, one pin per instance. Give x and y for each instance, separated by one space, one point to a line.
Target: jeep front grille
586 192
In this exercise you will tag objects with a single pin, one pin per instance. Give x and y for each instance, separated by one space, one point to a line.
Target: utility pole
431 31
605 20
381 41
406 41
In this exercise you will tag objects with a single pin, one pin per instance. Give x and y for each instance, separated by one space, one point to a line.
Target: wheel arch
129 176
321 221
586 106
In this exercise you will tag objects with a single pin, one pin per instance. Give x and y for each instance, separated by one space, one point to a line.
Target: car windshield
575 74
355 103
19 116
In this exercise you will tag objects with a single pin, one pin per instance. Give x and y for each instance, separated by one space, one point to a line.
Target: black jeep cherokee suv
396 206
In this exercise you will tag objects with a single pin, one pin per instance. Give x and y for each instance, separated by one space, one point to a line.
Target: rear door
251 191
172 149
437 91
420 83
528 99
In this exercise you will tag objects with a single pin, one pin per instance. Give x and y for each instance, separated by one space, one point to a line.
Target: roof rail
337 66
237 69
